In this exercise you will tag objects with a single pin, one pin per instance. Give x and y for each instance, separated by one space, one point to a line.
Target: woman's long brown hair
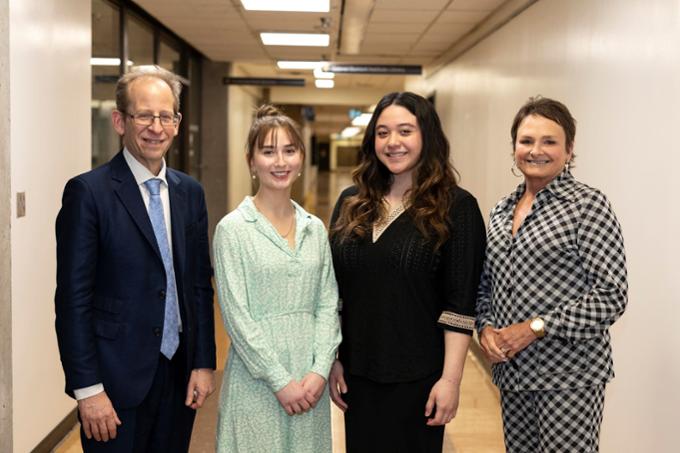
429 198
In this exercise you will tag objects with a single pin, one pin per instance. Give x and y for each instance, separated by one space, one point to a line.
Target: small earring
299 174
513 168
567 167
254 176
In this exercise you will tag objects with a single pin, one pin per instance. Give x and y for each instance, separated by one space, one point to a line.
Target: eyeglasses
147 118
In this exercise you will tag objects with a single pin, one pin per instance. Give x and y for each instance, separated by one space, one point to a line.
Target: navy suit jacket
110 295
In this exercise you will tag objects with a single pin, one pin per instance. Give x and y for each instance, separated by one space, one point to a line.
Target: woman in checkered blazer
554 280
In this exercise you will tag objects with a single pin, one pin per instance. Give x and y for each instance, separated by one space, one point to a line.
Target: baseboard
57 434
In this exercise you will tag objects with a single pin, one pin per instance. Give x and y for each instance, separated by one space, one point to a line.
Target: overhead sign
391 69
259 81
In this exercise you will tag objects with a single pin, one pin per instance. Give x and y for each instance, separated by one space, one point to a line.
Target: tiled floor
476 429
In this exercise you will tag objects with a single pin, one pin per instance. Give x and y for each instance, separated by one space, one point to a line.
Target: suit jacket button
157 331
161 293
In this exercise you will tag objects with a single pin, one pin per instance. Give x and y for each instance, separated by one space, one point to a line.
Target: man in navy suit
134 300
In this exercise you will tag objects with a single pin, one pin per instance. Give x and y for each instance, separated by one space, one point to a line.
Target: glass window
148 42
193 130
105 72
169 57
140 40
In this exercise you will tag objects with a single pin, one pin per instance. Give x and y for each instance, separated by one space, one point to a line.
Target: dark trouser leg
164 423
389 417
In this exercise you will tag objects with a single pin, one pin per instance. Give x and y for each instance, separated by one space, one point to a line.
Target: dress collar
251 214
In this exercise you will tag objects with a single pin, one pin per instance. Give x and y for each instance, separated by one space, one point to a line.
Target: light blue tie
170 340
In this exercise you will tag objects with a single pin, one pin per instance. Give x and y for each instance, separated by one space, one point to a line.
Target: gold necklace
292 221
290 228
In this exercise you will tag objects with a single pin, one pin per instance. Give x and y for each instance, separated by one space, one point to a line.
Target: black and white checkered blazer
567 265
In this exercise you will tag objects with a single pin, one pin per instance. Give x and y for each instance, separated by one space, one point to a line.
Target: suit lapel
127 191
177 209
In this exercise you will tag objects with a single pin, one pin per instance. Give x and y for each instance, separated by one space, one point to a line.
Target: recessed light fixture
349 132
284 64
296 39
319 73
107 62
303 6
324 83
362 120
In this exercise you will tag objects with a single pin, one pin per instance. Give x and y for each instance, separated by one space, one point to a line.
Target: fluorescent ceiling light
350 131
107 62
324 83
303 6
283 64
296 39
319 73
362 120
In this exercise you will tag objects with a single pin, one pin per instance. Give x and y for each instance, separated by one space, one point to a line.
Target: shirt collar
562 186
140 172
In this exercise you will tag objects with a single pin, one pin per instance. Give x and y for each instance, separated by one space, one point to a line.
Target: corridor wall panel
49 60
616 65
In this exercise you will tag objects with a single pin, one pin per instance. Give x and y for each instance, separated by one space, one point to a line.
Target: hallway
477 428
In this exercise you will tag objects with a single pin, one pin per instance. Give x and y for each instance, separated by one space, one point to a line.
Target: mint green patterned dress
280 310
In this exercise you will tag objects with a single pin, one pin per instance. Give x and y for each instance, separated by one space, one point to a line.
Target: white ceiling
396 32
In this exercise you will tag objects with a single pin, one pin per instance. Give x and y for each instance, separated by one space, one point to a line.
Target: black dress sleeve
462 259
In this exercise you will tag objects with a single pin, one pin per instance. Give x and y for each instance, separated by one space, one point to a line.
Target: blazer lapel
177 210
127 191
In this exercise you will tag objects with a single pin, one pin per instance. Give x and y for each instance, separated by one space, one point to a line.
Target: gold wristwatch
537 327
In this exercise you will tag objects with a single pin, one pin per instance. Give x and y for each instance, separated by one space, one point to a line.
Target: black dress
397 295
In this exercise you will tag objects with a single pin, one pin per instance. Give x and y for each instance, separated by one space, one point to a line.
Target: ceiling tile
475 5
462 17
399 16
385 38
410 4
389 27
448 29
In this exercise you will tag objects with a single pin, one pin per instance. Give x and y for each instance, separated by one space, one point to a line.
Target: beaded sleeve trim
380 226
452 319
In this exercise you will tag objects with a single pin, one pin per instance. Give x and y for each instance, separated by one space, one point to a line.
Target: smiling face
277 162
540 151
148 144
398 140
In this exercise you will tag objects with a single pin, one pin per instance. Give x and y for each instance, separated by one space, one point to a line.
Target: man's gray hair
146 71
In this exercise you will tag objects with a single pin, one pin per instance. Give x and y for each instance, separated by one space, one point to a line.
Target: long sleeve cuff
87 392
323 367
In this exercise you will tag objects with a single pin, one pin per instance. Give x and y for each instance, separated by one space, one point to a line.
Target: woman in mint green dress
279 303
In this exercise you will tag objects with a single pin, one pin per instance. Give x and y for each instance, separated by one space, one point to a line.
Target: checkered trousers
567 265
553 421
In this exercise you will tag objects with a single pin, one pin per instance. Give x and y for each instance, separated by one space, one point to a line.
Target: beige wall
617 66
5 242
321 96
50 142
243 101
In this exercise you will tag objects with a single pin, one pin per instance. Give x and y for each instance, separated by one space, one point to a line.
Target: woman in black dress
408 245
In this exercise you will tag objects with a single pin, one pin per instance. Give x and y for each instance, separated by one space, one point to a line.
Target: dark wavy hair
434 177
